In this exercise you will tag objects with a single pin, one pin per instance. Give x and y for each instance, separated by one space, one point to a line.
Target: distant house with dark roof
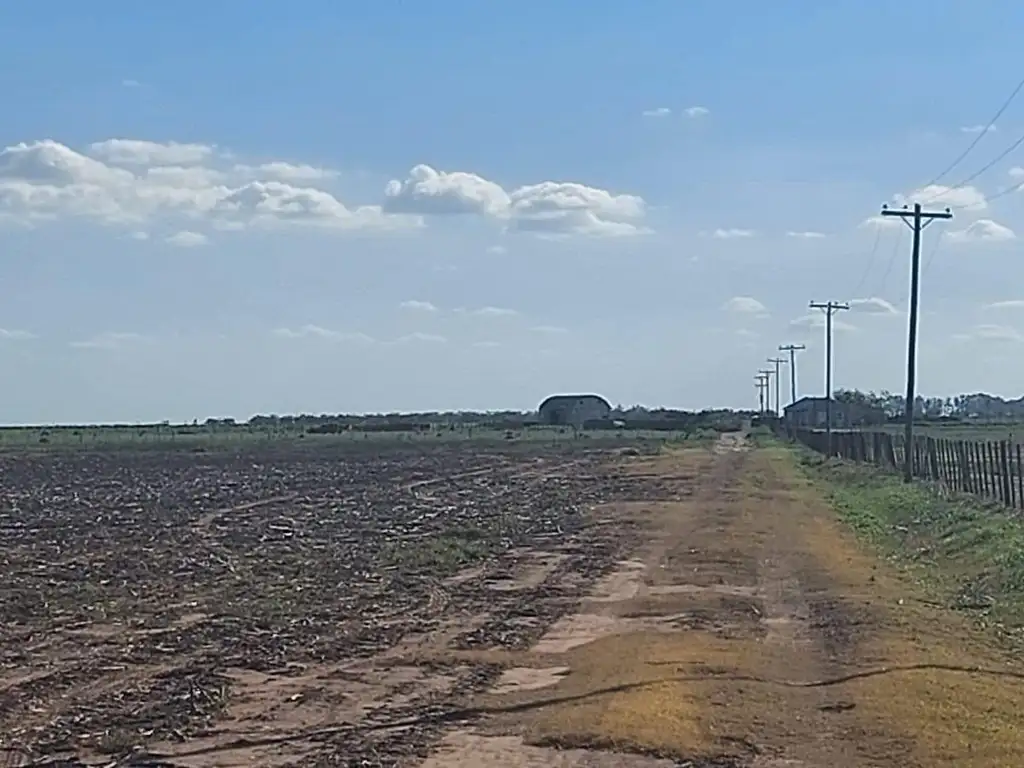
810 413
573 410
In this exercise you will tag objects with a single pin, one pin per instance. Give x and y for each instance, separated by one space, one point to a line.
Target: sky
223 209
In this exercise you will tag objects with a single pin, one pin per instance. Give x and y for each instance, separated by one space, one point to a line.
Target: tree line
978 406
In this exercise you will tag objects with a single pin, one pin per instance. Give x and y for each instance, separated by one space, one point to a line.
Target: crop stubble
275 606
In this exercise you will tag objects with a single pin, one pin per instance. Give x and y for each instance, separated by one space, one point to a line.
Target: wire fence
985 468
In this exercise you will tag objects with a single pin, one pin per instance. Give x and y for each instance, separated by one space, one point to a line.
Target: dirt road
748 628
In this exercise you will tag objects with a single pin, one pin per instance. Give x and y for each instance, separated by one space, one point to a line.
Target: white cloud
286 171
657 112
419 306
432 193
549 208
418 337
46 180
816 321
109 340
486 344
139 235
550 330
982 231
137 152
188 239
731 234
274 203
129 83
318 332
874 306
807 235
1016 172
495 312
1008 304
745 305
879 222
697 111
990 332
978 129
15 335
497 249
967 197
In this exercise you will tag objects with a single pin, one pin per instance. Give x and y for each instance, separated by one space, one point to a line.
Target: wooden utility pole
767 374
761 383
792 349
829 308
778 382
917 220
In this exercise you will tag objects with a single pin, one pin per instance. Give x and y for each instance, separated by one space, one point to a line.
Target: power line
871 260
892 260
1008 191
931 255
977 139
979 172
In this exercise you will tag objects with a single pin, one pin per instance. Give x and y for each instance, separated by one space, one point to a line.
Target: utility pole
917 220
762 382
829 308
778 382
767 374
792 349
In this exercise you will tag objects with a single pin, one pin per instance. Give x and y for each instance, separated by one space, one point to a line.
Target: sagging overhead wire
977 139
979 172
892 259
870 263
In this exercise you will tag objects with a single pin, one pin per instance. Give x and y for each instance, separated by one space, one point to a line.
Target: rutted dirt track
694 608
748 629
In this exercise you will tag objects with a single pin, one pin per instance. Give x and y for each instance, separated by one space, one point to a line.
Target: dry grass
691 674
952 718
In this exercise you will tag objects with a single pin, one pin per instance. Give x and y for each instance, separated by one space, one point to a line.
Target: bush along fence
990 469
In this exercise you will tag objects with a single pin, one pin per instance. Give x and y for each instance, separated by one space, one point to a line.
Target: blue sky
230 208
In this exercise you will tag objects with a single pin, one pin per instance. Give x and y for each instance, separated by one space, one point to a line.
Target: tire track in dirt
748 629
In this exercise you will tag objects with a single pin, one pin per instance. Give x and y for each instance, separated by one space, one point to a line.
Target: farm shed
809 413
573 409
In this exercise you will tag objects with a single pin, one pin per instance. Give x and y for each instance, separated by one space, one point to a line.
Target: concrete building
810 412
573 410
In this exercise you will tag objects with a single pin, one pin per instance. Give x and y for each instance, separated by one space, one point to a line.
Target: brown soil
751 629
697 608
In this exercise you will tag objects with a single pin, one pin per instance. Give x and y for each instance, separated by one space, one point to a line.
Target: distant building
573 410
810 413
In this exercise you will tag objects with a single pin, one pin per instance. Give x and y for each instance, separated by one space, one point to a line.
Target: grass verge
967 554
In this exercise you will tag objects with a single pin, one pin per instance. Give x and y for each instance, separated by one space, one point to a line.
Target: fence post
965 469
1020 477
993 477
980 470
1004 464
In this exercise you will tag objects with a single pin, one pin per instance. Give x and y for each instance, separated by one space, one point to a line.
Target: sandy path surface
748 628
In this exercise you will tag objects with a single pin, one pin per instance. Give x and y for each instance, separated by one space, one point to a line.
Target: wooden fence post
979 469
993 473
1004 465
1020 477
